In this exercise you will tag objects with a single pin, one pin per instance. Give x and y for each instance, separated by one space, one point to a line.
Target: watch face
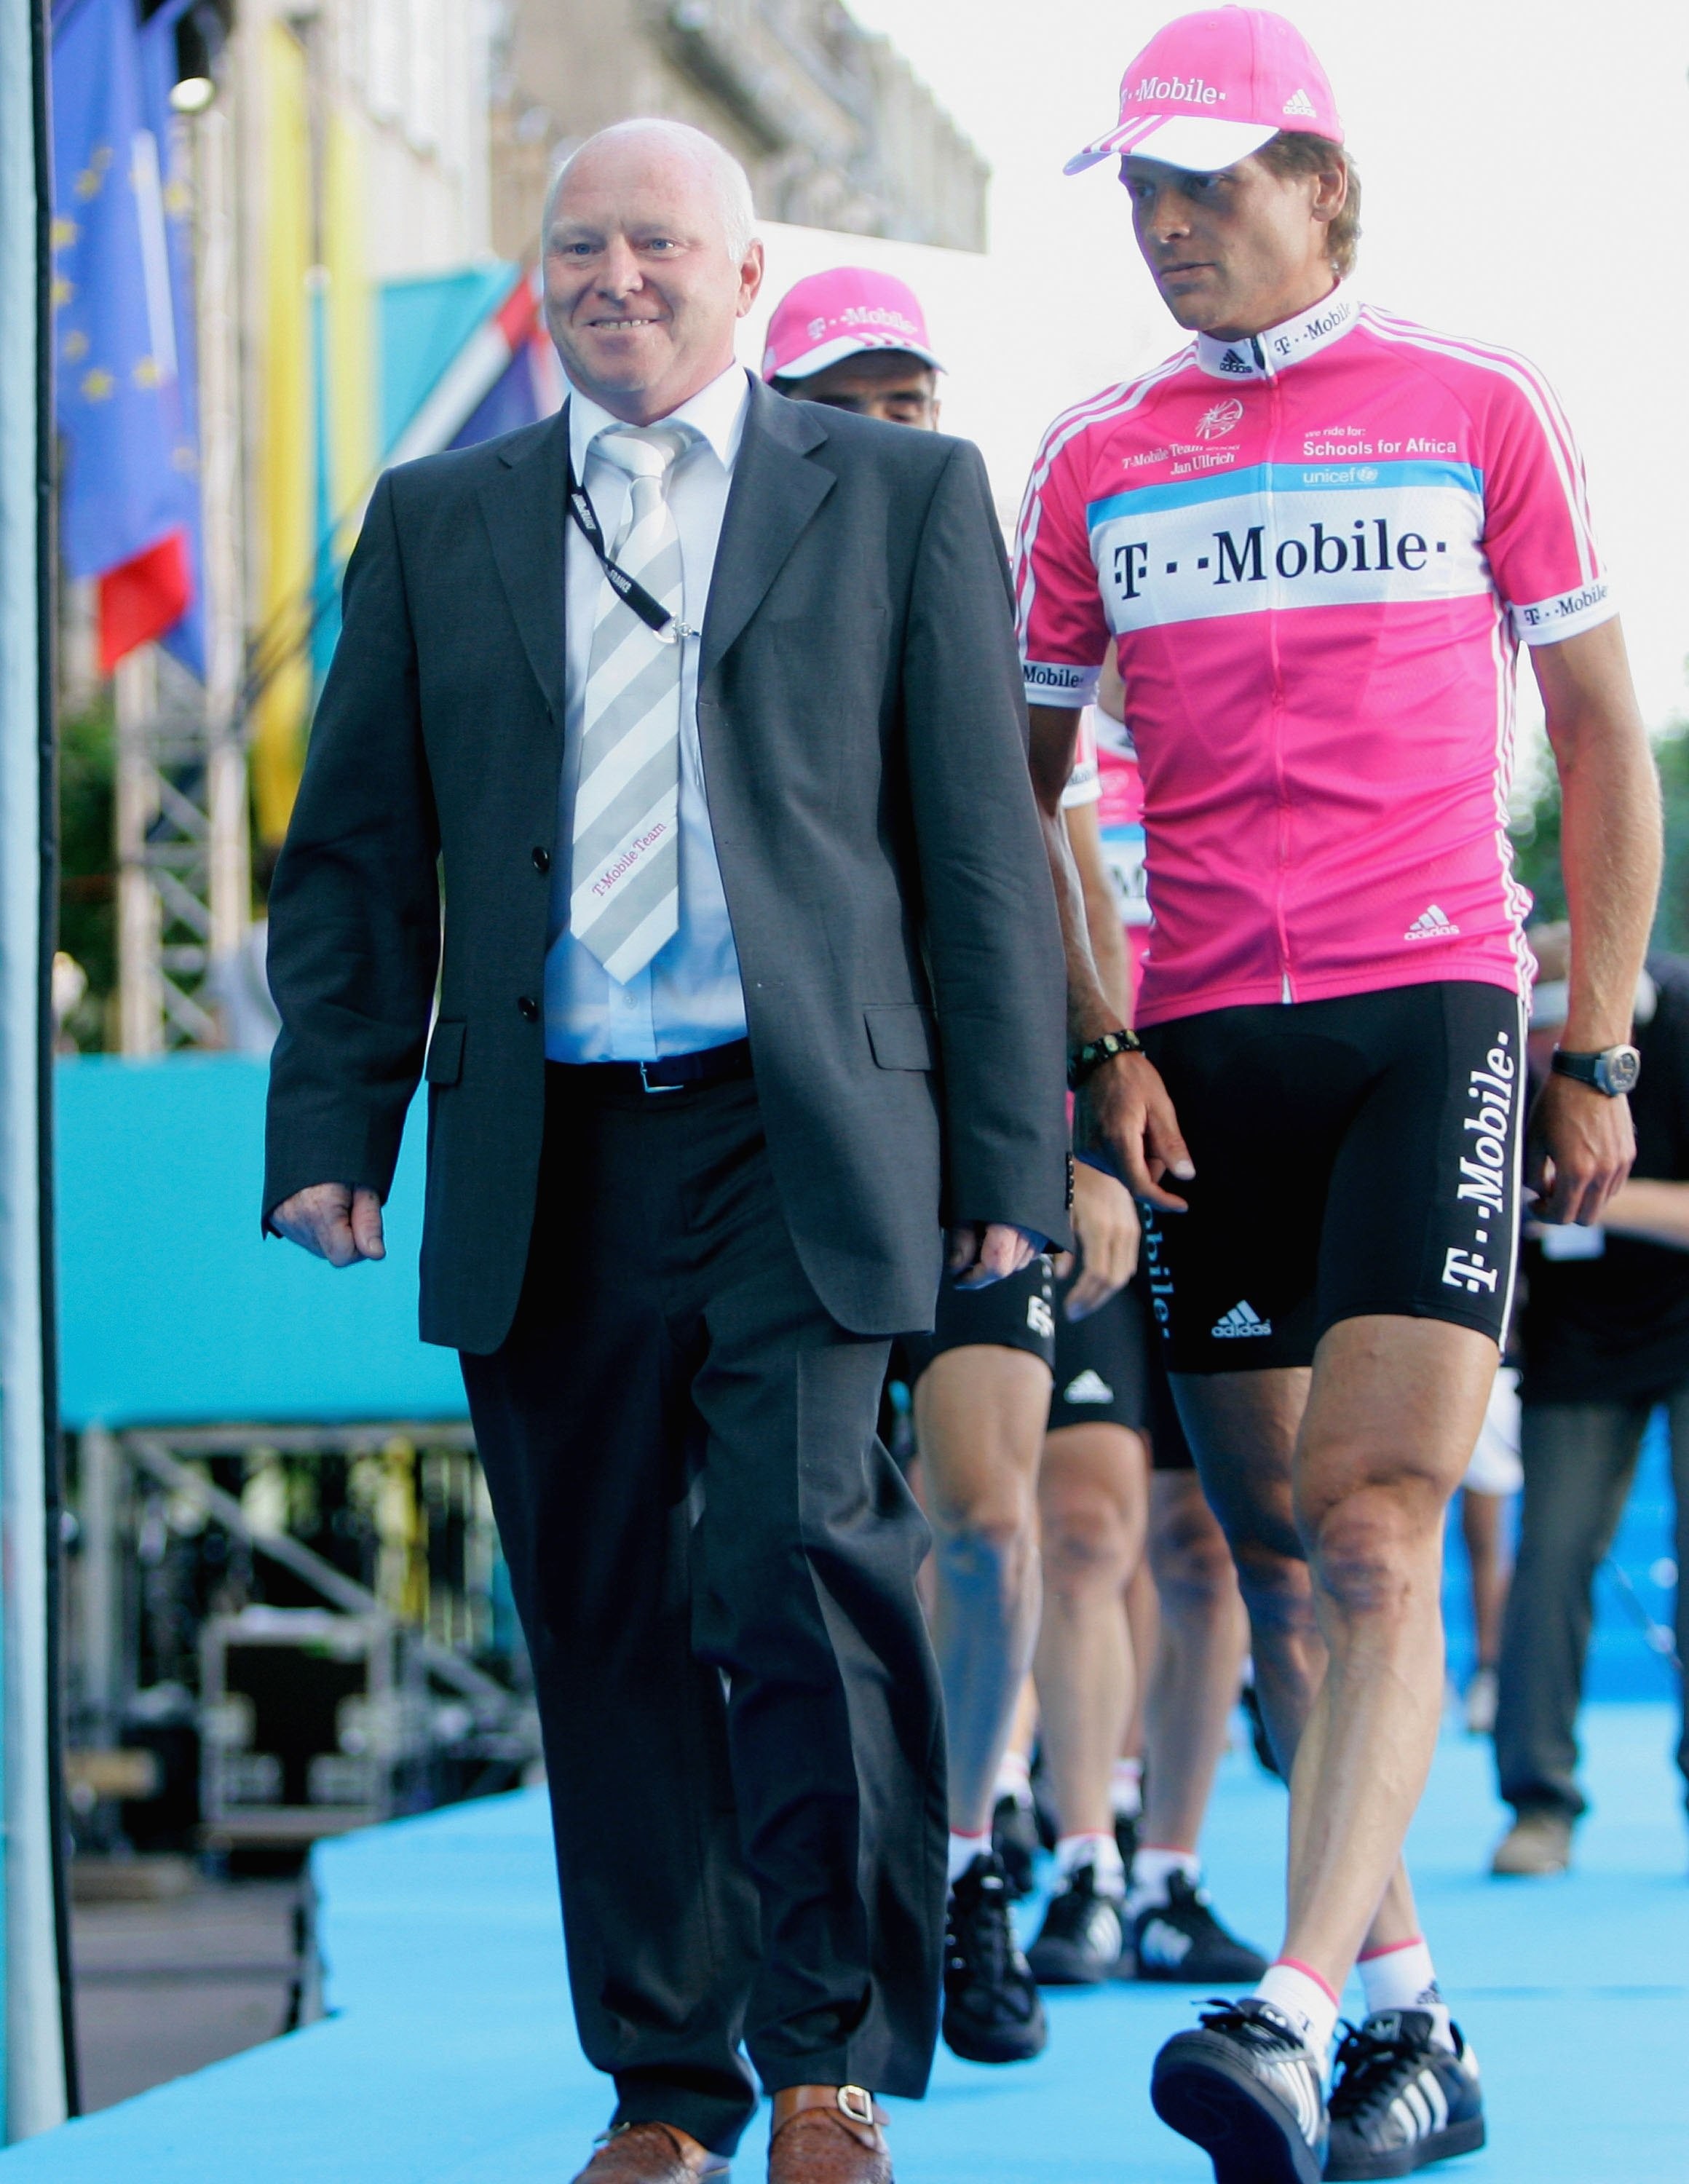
1619 1067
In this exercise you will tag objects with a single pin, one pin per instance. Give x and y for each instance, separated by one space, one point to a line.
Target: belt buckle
655 1088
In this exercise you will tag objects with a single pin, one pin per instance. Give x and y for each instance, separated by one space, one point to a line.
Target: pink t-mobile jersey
1317 552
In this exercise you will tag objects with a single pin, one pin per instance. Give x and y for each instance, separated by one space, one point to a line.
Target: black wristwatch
1085 1061
1613 1071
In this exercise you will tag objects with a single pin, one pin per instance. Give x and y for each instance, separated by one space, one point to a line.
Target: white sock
1014 1780
1099 1851
1126 1789
1305 1999
963 1850
1403 1977
1152 1867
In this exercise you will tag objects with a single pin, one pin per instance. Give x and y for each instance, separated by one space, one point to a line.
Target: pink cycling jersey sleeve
1538 538
1064 632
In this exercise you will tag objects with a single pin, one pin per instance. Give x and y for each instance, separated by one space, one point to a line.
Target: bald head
676 142
649 265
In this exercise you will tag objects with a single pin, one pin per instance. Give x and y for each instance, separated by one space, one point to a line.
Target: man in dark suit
751 978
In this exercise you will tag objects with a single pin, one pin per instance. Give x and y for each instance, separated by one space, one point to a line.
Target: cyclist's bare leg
980 1413
1243 1428
1392 1416
1092 1503
1193 1688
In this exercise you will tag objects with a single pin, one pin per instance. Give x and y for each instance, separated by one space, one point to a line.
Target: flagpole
229 879
33 2023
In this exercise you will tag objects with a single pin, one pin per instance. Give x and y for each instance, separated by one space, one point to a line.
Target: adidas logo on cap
1432 924
1087 1387
1241 1320
1301 104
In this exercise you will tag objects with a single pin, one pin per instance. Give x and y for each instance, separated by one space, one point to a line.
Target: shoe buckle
857 2103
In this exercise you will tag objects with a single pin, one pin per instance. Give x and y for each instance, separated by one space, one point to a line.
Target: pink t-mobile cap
829 316
1210 88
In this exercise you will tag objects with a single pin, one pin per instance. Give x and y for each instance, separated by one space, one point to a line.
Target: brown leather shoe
827 2134
651 2153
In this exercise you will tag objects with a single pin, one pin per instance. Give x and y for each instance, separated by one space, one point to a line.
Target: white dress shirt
688 997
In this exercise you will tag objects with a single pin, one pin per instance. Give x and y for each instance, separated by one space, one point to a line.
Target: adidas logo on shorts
1241 1320
1432 924
1087 1387
1300 103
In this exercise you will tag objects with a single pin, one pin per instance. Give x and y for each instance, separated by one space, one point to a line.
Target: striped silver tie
625 877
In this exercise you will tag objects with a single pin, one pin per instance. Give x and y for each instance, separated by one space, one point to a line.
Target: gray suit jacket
864 752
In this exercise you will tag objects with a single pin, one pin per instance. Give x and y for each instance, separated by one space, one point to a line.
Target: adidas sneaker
992 2013
1400 2099
1180 1940
1084 1935
1248 2091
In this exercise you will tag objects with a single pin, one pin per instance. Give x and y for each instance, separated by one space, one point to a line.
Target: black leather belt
675 1072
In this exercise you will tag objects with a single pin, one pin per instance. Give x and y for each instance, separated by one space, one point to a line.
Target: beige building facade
830 121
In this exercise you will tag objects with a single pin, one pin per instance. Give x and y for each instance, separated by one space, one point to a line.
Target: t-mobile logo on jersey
1371 549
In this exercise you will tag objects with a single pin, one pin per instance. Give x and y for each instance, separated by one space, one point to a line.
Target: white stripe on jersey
1492 354
1113 401
1568 468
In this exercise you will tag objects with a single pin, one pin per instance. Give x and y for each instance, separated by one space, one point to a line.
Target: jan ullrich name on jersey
1370 549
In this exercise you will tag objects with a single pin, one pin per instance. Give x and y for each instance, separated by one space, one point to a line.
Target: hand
336 1222
981 1255
1125 1114
1106 1222
1580 1148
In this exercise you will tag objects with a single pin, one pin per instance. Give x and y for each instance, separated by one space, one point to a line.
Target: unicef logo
1223 418
1367 475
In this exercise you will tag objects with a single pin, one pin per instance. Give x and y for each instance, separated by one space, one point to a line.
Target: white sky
1526 169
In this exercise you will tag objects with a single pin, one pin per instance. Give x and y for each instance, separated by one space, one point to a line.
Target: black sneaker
1182 1942
992 2012
1400 2098
1248 2090
1014 1837
1082 1936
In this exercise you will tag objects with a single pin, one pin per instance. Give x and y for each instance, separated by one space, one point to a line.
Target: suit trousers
1578 1459
714 1559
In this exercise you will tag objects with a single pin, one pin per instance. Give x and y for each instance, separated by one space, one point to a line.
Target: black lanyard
652 612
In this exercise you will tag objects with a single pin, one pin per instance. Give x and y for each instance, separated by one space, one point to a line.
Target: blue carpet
450 2061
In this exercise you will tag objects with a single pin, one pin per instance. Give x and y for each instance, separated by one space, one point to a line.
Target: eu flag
130 504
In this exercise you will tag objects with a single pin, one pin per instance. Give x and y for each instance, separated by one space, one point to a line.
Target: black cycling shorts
1106 1367
1017 1314
1352 1156
1109 1371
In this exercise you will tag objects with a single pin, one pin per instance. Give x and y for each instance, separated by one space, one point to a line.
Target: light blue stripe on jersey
1311 477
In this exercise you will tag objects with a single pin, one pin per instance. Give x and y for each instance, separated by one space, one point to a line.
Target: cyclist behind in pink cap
1315 538
856 340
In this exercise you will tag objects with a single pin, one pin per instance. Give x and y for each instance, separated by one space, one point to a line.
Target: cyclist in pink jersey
1314 540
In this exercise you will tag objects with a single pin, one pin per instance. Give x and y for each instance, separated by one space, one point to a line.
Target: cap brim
1189 140
845 345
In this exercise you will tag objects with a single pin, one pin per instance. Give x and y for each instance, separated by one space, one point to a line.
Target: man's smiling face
641 292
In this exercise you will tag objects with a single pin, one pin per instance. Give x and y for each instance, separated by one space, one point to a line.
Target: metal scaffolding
184 861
